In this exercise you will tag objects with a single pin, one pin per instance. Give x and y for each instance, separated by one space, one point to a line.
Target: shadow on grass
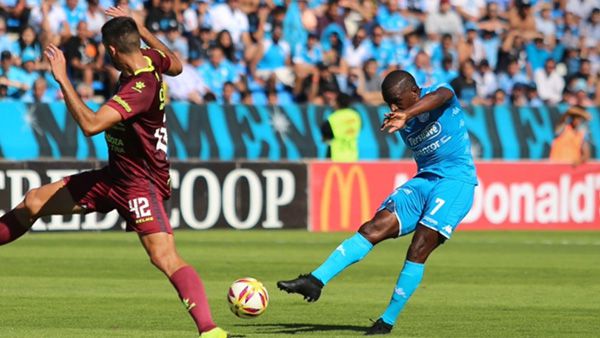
294 328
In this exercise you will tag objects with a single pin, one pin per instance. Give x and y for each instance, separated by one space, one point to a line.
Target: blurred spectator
465 86
162 18
392 21
187 86
571 143
275 59
421 70
331 17
11 76
199 45
499 98
218 71
446 21
228 16
369 83
27 43
537 54
52 18
521 19
85 56
381 49
446 73
225 41
341 131
544 22
16 13
172 38
518 97
75 14
230 94
6 42
492 21
39 93
533 98
444 49
590 29
95 18
512 76
357 51
470 10
512 49
487 83
549 83
471 47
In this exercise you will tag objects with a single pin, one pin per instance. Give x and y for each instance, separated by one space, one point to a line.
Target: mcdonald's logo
345 186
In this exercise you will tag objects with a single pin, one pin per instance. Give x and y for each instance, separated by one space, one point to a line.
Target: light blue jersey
440 141
441 194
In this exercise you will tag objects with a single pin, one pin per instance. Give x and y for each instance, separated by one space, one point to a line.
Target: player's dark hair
395 83
122 34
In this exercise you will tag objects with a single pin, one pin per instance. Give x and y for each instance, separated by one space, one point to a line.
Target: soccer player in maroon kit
136 180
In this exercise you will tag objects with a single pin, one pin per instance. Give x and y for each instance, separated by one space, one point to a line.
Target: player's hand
117 12
394 121
124 11
58 64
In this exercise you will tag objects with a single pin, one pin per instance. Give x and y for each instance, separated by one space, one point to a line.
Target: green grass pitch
479 284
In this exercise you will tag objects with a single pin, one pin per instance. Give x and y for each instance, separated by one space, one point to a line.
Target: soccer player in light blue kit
432 204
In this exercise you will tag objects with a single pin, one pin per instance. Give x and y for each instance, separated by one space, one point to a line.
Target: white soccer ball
248 298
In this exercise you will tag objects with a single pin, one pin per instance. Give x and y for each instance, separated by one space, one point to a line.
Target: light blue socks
349 252
407 283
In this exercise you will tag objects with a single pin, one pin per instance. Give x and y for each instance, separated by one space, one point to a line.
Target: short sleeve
159 59
133 98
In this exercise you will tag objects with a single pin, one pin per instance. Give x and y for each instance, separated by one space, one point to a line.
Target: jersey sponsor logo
115 144
345 185
429 132
430 148
122 103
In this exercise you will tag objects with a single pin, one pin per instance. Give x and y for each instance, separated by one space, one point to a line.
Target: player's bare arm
90 122
176 67
397 118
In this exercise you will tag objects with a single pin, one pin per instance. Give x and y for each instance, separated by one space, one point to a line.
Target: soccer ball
248 298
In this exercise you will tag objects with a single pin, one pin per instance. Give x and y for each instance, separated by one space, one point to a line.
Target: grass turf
486 284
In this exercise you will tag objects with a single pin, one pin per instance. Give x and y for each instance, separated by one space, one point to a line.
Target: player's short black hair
121 33
396 83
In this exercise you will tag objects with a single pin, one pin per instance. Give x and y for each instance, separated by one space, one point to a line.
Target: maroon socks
10 228
192 294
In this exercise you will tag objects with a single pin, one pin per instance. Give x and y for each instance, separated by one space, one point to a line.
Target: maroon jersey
137 146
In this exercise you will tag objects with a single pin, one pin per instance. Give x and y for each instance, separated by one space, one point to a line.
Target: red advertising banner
510 195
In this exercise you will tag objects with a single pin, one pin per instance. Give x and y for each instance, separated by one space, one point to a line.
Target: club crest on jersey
139 86
424 117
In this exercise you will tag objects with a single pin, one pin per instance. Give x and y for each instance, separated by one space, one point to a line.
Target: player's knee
419 250
376 232
33 203
165 261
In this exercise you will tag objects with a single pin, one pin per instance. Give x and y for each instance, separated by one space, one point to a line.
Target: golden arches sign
345 186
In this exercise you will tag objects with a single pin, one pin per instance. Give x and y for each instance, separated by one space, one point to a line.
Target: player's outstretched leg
423 243
50 199
161 249
384 225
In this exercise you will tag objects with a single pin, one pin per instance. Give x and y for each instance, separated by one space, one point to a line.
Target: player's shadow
295 328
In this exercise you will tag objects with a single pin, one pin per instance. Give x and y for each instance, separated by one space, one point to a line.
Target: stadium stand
520 52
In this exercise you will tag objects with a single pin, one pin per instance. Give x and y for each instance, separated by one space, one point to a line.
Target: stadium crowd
519 52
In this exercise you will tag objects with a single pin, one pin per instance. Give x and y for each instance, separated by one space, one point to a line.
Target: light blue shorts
436 202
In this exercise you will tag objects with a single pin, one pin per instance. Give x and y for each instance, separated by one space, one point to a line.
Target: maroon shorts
139 203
